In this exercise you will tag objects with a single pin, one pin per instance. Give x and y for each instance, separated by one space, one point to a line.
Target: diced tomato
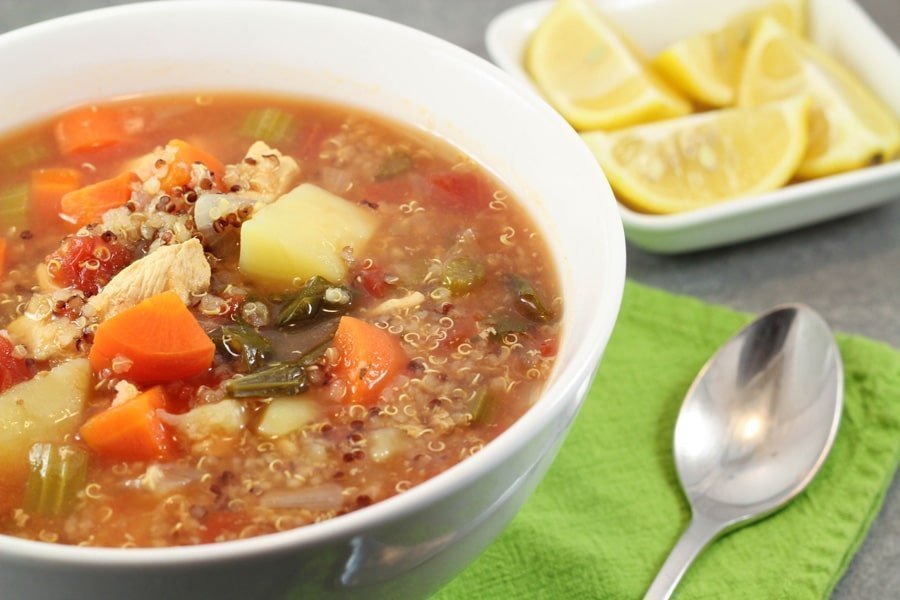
372 280
223 522
12 370
548 348
462 192
391 191
87 262
463 330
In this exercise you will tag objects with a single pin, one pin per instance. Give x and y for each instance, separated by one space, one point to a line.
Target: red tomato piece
87 262
12 370
372 280
464 192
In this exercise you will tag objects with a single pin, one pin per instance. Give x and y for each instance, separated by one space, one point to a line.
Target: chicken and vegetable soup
225 316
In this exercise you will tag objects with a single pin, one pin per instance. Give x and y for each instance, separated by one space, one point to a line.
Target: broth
226 363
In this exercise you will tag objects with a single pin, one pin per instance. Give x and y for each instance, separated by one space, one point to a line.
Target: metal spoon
754 428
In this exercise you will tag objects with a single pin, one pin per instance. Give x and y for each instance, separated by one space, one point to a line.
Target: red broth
190 352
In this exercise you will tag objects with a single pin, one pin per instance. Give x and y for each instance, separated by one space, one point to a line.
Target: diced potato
45 338
285 415
225 418
42 409
303 234
385 444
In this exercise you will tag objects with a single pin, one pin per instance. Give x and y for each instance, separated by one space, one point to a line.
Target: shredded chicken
396 304
182 268
264 174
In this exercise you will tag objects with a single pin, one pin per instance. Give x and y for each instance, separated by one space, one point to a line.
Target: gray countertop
848 269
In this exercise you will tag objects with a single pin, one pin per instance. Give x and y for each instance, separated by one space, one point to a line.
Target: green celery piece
25 156
484 405
57 473
283 379
271 125
461 275
14 206
395 164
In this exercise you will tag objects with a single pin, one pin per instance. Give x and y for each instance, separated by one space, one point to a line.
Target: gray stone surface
848 269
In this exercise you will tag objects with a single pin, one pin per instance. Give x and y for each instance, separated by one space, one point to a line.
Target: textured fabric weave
603 520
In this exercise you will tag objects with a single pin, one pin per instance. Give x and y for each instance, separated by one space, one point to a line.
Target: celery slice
484 405
27 155
271 125
395 164
461 275
14 206
57 473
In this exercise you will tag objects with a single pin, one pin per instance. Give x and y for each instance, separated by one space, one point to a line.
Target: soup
225 316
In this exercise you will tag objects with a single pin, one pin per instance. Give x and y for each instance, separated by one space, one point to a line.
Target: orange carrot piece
90 128
48 186
179 173
3 244
87 205
369 359
131 430
159 336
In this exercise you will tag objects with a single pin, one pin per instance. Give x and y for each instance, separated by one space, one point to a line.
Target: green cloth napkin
603 520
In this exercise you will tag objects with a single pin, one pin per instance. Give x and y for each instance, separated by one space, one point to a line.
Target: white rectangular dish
840 27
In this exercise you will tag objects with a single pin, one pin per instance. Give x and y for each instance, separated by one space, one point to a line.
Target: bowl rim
566 391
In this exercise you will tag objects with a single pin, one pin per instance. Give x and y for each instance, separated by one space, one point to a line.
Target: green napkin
603 520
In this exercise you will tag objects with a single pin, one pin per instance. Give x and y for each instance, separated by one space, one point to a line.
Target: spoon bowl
754 428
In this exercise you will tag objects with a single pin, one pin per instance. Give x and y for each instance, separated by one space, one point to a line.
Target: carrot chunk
87 205
179 173
3 244
155 341
90 128
369 359
48 186
131 430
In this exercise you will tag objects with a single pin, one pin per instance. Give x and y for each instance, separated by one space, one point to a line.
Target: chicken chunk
264 174
182 268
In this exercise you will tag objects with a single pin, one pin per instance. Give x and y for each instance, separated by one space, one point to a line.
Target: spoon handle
695 538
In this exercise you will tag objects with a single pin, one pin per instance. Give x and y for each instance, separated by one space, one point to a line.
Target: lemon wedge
591 74
688 163
707 67
849 126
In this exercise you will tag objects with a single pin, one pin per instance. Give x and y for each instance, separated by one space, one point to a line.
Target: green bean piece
271 125
245 343
14 206
282 379
56 474
484 405
395 164
462 275
311 302
528 301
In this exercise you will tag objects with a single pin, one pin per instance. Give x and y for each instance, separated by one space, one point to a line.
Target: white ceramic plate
840 27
